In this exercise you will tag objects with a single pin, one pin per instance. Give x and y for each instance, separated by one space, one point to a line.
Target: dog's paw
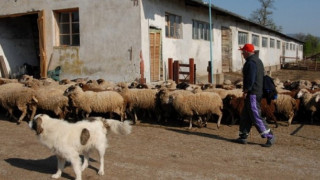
101 172
56 176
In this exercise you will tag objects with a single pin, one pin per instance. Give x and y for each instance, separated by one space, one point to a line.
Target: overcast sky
294 16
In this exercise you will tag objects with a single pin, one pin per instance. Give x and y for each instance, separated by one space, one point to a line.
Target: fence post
191 71
176 71
209 72
170 68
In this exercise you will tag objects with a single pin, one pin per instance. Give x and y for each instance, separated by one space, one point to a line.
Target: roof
221 11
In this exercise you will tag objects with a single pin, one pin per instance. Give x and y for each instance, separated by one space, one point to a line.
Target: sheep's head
70 89
302 92
100 81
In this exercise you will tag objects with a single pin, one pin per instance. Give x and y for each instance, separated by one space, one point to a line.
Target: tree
262 15
311 43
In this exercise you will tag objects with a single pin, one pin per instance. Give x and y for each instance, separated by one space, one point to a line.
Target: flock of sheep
164 101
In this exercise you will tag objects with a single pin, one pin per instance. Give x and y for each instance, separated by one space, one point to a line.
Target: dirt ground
155 151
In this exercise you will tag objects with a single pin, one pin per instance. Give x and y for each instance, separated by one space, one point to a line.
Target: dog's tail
117 126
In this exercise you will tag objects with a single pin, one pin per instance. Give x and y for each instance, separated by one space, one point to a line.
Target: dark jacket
253 72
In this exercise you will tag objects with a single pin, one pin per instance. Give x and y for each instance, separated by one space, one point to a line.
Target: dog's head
36 124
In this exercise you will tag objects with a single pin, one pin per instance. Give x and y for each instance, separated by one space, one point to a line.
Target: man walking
253 72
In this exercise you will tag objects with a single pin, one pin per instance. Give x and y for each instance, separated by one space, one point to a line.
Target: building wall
153 15
109 32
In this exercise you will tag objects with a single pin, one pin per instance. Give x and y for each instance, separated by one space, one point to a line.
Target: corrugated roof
222 11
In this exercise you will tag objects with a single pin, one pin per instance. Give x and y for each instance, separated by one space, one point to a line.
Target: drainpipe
211 54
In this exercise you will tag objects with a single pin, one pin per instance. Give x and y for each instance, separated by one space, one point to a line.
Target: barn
123 40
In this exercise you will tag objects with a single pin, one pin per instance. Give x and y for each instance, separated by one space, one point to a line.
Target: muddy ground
172 151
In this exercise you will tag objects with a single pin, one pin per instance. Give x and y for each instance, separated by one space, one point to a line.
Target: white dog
69 140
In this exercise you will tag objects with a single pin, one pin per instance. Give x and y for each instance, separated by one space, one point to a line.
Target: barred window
278 44
255 40
173 26
68 25
272 43
242 38
264 42
200 30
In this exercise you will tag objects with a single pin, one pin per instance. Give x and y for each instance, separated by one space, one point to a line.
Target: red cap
248 48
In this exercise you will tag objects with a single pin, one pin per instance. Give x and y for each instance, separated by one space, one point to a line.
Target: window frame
254 36
71 23
196 30
177 26
278 44
264 42
272 43
242 37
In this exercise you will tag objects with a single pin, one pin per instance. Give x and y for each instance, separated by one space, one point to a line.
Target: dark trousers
251 115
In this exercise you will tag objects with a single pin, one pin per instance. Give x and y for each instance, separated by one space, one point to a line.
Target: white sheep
200 104
99 102
14 95
309 102
51 98
164 108
136 99
286 105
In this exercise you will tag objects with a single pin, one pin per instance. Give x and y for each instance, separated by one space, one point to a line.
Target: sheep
287 106
16 95
203 103
100 84
137 99
309 102
164 109
51 98
223 92
99 102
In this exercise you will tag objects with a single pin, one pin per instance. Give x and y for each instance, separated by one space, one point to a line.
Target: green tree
311 43
262 15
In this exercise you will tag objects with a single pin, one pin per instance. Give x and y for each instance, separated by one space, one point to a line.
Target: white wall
108 29
153 14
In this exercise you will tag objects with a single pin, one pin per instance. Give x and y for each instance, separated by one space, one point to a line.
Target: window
278 44
200 30
290 46
255 40
173 26
68 25
287 46
301 47
242 37
264 42
294 47
272 43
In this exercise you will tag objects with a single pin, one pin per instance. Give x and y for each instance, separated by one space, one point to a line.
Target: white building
109 38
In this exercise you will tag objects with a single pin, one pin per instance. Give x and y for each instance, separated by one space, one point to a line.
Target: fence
182 72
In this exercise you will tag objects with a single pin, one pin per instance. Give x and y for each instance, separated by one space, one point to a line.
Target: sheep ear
317 98
38 127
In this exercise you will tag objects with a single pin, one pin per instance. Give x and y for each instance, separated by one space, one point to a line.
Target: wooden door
155 55
226 45
42 45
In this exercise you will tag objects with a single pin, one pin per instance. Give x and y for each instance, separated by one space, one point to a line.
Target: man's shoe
270 142
240 141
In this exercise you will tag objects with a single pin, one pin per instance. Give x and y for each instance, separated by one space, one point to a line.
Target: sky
295 16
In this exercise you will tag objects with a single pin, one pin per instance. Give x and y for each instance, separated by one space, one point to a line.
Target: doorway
19 43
